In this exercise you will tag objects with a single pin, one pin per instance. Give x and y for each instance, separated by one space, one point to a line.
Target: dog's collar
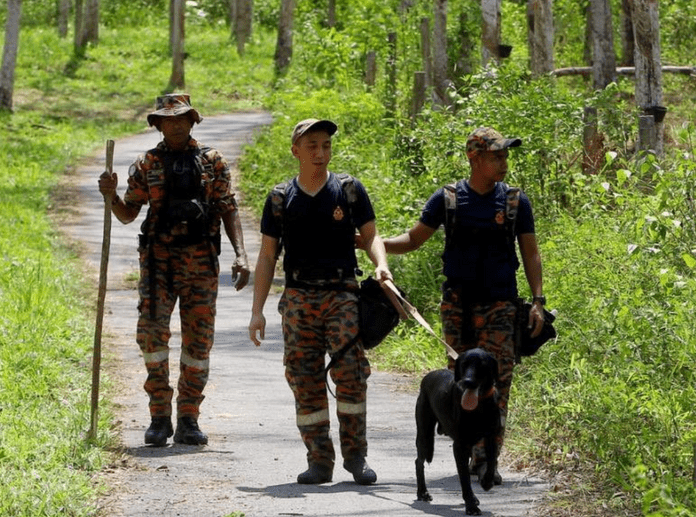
490 393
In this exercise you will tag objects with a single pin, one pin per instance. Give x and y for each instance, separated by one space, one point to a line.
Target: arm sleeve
433 214
525 217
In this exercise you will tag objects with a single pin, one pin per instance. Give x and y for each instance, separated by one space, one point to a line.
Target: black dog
464 406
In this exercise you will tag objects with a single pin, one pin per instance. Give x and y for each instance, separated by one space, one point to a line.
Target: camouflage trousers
189 275
493 330
316 322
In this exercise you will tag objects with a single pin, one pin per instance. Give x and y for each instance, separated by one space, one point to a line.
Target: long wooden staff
106 243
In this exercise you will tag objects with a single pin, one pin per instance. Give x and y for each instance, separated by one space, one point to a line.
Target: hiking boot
160 429
315 475
188 432
480 470
362 473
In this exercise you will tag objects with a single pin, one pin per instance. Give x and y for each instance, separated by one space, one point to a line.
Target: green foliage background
610 402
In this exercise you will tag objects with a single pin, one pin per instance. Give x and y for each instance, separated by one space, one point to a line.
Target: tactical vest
512 203
278 203
182 216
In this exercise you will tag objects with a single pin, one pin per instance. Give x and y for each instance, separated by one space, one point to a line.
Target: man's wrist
539 299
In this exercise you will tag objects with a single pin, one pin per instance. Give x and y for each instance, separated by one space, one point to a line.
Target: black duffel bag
378 316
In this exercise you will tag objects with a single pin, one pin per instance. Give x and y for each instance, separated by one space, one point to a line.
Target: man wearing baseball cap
188 189
314 217
483 218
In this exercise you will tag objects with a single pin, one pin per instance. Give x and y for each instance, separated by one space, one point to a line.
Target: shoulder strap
512 205
450 194
277 207
351 193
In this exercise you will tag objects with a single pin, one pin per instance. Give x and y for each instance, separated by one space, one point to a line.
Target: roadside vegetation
606 410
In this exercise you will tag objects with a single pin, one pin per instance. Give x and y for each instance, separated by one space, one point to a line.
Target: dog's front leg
462 453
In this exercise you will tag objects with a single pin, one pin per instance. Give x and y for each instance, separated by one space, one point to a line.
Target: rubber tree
540 34
646 31
9 53
283 52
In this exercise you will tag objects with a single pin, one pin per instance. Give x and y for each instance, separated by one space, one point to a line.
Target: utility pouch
529 345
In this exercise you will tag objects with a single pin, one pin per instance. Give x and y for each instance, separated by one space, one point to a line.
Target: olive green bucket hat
171 105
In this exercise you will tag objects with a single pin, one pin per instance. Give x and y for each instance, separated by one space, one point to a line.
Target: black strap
337 357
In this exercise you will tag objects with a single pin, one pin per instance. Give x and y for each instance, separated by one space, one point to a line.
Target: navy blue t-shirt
319 231
481 257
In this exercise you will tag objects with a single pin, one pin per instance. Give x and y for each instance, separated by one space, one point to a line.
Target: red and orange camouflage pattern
494 330
315 322
189 274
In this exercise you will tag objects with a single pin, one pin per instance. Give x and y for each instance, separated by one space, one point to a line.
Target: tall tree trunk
9 53
63 15
176 35
440 65
604 58
490 36
91 22
627 40
646 29
540 36
331 14
242 23
177 80
79 37
283 52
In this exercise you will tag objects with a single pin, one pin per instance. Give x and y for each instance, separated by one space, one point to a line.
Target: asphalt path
254 453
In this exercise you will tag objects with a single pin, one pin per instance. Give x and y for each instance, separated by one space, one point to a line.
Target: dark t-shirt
481 257
319 231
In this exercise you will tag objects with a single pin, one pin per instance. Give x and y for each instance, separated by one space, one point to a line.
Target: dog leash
405 308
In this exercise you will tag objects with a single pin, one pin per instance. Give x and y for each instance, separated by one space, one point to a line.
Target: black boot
315 475
362 473
188 432
160 429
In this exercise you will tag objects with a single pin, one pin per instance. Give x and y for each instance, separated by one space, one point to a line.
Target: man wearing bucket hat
483 218
314 217
188 188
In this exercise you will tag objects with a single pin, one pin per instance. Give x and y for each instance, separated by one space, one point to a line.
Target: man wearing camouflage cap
188 188
314 218
483 218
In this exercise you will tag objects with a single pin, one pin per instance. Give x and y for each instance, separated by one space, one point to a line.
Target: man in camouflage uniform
319 309
188 188
479 306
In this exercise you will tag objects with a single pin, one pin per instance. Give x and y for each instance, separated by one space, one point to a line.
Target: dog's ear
459 368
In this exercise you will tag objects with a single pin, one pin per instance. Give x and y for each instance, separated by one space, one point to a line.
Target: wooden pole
96 355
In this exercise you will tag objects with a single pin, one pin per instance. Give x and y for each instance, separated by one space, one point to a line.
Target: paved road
255 453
